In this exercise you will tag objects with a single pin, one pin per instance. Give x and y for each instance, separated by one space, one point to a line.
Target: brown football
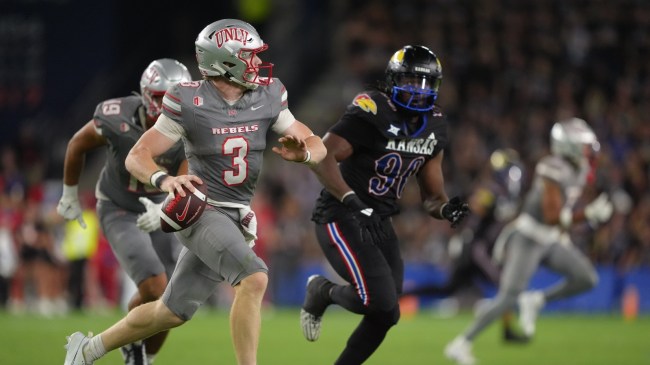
178 212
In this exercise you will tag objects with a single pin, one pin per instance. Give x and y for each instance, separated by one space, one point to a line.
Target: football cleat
512 337
310 325
460 351
134 354
74 349
530 303
314 306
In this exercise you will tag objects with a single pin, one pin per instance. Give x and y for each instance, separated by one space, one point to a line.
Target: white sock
94 349
150 358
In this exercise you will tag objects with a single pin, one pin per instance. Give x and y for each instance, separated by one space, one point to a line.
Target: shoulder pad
117 111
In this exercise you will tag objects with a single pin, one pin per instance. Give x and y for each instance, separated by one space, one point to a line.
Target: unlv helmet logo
152 75
236 34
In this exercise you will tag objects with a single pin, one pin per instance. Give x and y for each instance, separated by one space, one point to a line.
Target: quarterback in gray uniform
126 207
539 235
223 122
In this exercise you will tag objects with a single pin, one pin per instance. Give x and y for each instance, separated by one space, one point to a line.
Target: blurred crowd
511 69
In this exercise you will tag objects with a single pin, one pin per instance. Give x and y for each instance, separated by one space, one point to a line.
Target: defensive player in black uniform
494 203
386 135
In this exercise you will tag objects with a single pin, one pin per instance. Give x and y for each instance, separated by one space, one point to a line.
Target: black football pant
375 273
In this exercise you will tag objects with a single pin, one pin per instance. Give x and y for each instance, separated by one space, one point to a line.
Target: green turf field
561 339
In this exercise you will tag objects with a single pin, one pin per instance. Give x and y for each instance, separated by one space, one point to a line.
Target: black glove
369 222
454 211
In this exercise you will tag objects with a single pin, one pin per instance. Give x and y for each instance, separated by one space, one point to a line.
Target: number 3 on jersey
237 148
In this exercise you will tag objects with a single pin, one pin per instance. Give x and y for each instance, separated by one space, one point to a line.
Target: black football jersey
386 153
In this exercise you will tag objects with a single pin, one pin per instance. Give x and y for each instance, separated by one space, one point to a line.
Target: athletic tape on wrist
308 158
442 207
70 190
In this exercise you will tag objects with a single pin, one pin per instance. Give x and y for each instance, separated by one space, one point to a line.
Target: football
178 212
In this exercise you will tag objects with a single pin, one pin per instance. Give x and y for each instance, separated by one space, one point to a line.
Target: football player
223 121
387 135
539 235
127 208
493 203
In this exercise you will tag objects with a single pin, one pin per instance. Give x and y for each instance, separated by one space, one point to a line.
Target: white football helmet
228 48
569 138
159 76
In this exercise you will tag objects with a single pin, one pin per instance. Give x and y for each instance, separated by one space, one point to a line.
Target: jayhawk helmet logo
364 102
398 57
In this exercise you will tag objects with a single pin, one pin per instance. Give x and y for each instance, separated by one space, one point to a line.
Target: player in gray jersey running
539 235
128 208
223 121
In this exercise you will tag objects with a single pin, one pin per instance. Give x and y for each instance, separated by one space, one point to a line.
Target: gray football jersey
225 143
118 120
570 179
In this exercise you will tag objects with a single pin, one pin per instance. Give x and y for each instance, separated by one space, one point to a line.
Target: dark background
511 69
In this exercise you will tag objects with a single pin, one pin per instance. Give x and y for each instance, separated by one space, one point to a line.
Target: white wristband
566 217
442 207
346 194
308 158
70 190
155 176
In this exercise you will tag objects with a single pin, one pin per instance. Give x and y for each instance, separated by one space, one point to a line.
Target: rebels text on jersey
385 154
225 143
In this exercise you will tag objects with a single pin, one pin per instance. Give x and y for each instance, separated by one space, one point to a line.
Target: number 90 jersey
385 153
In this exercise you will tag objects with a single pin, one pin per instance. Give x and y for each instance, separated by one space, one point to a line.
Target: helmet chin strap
232 78
143 117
